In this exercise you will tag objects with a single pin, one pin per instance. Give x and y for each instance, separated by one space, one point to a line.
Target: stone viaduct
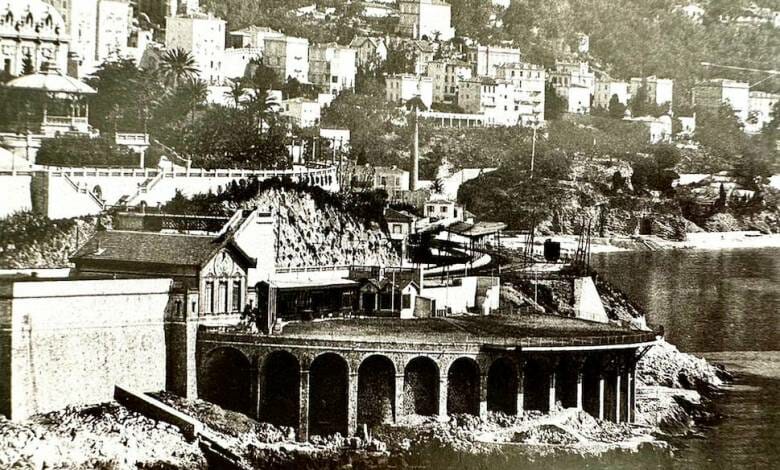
326 385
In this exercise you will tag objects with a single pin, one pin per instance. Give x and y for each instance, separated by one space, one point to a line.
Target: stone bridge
327 384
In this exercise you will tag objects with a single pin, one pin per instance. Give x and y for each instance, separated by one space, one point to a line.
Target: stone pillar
443 397
551 405
352 399
303 407
632 388
259 387
580 378
399 398
617 395
520 387
601 395
483 388
181 335
629 399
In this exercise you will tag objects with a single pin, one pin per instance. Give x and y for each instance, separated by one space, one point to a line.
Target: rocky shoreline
674 390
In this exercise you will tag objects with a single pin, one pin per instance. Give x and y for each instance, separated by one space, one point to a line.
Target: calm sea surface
725 305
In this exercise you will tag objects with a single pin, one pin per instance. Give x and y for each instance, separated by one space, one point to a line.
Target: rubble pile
102 436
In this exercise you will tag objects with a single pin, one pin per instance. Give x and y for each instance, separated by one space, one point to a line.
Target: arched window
29 19
9 17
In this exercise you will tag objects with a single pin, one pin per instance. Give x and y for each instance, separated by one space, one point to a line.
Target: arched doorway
421 387
225 378
280 393
463 387
536 386
502 386
328 395
376 391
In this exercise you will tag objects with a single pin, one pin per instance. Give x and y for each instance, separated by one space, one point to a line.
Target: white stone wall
70 342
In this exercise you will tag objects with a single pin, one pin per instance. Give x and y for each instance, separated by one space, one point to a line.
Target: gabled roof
157 248
392 215
476 230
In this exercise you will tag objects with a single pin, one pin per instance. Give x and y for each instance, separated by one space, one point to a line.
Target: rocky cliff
314 234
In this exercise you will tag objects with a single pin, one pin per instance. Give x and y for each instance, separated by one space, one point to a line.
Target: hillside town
367 234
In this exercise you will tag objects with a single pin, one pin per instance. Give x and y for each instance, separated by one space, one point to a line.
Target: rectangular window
236 296
209 307
443 209
223 297
406 301
396 228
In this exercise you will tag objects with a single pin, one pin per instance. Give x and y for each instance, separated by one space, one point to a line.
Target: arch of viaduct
322 387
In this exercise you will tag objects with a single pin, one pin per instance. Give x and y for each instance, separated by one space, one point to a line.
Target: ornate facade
31 31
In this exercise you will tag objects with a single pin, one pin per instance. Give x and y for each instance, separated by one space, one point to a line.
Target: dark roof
392 215
156 248
475 230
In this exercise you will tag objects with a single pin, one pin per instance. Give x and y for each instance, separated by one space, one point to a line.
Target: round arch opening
280 389
328 395
225 380
376 391
421 387
463 387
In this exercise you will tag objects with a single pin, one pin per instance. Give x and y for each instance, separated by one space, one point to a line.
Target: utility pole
415 152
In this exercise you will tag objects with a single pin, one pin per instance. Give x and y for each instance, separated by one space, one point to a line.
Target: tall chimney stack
415 176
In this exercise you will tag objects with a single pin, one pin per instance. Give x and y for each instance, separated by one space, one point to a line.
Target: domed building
31 31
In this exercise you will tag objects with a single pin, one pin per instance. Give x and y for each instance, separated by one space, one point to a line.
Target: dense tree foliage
86 151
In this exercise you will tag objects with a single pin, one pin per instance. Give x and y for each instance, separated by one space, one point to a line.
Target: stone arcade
335 377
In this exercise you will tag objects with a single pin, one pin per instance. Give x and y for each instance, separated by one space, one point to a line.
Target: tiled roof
153 248
392 215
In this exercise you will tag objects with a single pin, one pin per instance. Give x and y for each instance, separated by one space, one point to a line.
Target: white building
606 89
302 112
204 37
760 109
446 75
660 91
528 81
659 129
422 19
236 60
715 93
694 11
488 58
288 56
99 30
332 67
34 29
502 102
401 88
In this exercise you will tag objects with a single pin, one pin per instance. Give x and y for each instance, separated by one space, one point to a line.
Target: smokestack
415 176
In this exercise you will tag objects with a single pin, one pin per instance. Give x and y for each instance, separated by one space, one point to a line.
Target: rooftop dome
51 80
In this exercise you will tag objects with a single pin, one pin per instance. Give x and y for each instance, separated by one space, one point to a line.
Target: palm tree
176 65
262 106
194 92
235 93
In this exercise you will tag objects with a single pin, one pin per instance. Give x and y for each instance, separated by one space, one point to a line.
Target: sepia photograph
389 234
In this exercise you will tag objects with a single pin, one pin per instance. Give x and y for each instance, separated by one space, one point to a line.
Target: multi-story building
567 73
203 36
401 88
660 91
252 37
288 56
487 58
98 30
502 102
113 29
528 81
715 93
391 179
606 89
760 107
332 67
369 49
423 19
446 75
31 29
